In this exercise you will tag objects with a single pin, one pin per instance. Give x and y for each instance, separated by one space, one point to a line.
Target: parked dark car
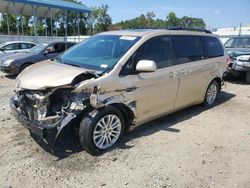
238 49
16 63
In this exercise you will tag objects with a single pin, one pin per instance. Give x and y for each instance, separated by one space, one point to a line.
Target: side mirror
45 52
146 66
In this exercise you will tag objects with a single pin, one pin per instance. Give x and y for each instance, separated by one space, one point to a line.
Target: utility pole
240 29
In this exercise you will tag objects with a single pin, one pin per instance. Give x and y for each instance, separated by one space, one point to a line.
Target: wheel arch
23 65
219 81
128 114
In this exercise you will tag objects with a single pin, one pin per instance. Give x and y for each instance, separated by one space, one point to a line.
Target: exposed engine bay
49 106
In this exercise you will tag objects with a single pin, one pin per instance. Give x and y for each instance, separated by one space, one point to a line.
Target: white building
226 33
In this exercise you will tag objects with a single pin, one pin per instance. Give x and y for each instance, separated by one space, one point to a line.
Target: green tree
149 21
100 19
172 20
71 22
12 24
192 22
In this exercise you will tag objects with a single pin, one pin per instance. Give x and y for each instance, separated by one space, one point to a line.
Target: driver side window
56 48
157 49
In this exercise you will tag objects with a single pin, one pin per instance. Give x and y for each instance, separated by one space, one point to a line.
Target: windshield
2 45
38 48
241 42
100 52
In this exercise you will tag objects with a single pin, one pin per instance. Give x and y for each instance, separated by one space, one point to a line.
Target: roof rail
189 29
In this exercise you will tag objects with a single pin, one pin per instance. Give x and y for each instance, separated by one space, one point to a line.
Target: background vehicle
16 63
241 65
116 79
236 47
15 46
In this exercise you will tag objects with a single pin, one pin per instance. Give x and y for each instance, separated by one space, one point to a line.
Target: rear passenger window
25 46
157 49
213 47
188 48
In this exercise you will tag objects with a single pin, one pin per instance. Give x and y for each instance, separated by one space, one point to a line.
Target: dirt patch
196 147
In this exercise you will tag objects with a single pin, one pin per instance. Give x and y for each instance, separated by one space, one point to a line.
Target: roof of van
141 32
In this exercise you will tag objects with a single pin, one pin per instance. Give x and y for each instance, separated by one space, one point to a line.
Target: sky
215 13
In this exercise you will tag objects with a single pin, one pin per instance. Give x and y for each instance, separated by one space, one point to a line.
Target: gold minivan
117 79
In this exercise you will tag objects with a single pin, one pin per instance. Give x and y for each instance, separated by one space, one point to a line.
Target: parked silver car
16 46
9 48
238 49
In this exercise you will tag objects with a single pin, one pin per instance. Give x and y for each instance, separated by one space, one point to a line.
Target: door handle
184 72
172 74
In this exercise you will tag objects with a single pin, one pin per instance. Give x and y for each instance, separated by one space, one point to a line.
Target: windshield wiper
72 64
244 46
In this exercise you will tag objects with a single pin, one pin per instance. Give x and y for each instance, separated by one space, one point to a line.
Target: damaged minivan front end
79 91
46 111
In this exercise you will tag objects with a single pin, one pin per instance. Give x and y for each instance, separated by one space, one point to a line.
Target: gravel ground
196 147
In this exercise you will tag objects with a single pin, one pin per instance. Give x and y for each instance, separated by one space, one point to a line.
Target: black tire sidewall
88 124
248 77
24 66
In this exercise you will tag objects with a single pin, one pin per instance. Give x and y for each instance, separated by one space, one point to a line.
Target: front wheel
101 132
211 94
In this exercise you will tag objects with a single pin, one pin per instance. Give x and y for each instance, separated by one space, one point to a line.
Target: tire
211 93
106 139
248 77
23 67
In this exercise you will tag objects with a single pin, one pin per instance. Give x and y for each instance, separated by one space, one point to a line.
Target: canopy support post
56 31
34 22
65 26
46 28
51 24
22 24
17 23
78 26
8 24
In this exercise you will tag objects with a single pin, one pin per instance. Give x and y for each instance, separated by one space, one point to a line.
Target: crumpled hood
235 52
48 74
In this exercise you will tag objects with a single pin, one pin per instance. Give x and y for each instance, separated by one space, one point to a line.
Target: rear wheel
103 131
248 77
211 94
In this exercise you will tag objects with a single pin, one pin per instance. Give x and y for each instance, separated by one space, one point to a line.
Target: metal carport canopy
24 7
42 8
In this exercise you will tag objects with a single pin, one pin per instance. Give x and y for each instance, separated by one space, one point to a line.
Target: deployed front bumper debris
48 132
